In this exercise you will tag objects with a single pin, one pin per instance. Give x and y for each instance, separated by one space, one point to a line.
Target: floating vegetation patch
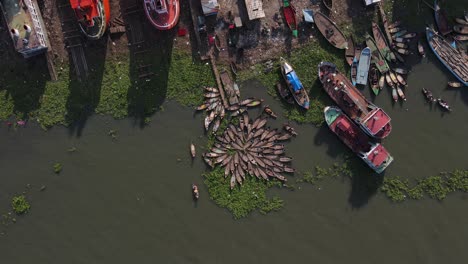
20 205
242 200
57 167
320 174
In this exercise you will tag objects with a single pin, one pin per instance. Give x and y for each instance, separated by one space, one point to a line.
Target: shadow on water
23 80
150 55
85 94
364 183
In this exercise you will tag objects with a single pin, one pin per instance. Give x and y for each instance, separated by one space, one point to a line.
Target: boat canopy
294 80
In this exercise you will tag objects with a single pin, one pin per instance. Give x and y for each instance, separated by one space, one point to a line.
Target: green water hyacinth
20 205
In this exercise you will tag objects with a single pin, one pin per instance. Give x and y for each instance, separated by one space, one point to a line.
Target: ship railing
36 22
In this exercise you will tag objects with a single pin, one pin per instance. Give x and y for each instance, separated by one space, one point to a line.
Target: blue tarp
308 15
294 80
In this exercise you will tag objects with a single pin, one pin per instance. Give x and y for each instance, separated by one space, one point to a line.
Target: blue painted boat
363 68
354 67
453 60
295 86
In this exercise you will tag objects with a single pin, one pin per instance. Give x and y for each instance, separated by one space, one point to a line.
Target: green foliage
436 187
20 205
57 168
241 200
337 170
186 78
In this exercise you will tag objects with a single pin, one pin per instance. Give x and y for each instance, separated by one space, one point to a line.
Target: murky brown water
128 200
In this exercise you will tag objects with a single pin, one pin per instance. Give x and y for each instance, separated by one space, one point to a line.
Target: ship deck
17 15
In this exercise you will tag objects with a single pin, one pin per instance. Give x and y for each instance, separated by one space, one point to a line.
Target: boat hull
441 19
299 94
289 13
330 31
162 14
363 68
373 154
430 35
376 56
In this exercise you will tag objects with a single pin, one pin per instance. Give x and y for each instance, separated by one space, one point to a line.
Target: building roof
254 9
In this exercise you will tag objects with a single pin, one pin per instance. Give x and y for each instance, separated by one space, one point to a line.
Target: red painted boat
372 119
163 14
93 16
373 154
289 13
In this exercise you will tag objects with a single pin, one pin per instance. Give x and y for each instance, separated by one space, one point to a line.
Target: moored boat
394 93
382 44
372 119
295 86
373 154
195 192
454 84
400 93
409 35
374 79
461 29
461 21
381 82
444 104
353 71
454 60
428 95
162 14
289 13
93 16
363 67
421 49
401 80
350 52
376 56
461 37
192 150
399 33
441 19
330 31
401 71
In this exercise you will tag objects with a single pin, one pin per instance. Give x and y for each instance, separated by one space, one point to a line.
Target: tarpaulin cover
294 80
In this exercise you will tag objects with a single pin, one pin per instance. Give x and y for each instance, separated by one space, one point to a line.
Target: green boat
376 56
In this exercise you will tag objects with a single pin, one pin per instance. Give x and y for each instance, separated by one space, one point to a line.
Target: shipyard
175 129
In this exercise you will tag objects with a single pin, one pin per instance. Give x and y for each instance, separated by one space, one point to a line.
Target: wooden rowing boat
328 4
354 68
289 13
295 86
461 21
363 67
461 29
376 56
421 49
382 44
461 37
441 19
330 31
374 79
454 84
285 93
350 54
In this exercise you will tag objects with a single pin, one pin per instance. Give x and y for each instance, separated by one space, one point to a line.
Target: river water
128 199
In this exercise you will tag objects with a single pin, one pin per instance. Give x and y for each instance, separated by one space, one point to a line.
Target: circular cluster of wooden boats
251 148
216 111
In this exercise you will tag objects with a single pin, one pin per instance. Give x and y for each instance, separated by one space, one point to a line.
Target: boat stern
378 158
331 114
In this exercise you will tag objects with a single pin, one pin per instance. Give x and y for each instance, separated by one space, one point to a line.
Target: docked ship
93 16
163 14
372 119
373 154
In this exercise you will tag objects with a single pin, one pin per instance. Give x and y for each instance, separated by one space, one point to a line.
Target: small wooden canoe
388 79
374 79
401 71
400 45
330 31
421 49
382 82
401 80
461 29
328 4
403 51
192 150
454 84
354 70
461 21
401 40
461 37
289 13
349 54
394 24
441 19
399 33
400 93
394 30
394 94
409 35
357 50
393 78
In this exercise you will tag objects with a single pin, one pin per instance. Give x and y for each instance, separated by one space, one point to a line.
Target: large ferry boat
373 154
93 16
372 119
163 14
